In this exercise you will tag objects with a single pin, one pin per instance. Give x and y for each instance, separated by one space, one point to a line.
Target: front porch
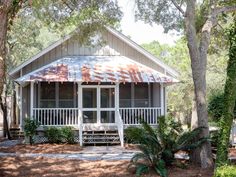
94 106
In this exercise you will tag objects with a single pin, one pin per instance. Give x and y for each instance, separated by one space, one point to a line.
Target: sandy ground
43 166
43 148
22 166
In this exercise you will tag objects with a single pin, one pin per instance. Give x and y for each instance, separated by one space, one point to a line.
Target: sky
139 31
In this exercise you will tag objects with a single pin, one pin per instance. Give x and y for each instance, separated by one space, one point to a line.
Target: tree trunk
198 54
229 102
194 121
5 121
4 7
3 40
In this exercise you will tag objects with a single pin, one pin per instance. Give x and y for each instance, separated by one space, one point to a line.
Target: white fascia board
143 51
41 53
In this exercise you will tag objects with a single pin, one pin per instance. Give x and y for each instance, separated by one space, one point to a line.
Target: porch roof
96 69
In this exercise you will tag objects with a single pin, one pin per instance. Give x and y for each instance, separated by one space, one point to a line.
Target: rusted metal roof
96 69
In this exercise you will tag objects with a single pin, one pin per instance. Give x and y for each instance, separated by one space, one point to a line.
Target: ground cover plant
60 135
30 128
158 145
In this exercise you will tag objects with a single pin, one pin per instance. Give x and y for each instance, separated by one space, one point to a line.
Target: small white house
98 88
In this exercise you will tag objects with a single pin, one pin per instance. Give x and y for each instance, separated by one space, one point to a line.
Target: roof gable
116 34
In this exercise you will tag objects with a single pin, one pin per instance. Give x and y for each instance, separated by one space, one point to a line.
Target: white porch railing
56 116
132 116
70 116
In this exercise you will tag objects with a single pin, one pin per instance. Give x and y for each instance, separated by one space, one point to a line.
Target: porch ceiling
96 69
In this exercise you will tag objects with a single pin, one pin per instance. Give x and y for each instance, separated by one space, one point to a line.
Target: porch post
165 94
162 98
31 99
117 97
21 111
80 120
17 103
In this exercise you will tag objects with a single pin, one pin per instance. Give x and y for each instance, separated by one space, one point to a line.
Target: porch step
16 133
101 138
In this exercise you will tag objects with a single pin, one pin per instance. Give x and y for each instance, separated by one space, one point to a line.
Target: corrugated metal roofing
96 69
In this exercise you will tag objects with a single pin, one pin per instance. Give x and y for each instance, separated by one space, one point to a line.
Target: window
66 95
48 95
125 95
107 116
107 97
89 97
141 95
89 116
57 95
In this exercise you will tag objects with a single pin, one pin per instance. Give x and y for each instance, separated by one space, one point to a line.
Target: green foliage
225 171
214 135
173 138
30 128
216 106
150 155
180 96
133 134
68 134
53 134
229 100
159 12
158 146
60 135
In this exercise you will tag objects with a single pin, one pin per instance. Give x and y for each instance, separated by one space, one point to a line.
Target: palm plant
158 146
151 152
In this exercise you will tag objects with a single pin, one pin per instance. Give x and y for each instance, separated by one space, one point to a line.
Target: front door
98 104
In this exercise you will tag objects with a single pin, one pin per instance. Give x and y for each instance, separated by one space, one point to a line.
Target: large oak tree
196 19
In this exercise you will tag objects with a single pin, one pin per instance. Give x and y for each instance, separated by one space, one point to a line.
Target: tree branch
178 7
225 9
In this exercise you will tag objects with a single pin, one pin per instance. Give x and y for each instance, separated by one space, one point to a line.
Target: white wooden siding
71 47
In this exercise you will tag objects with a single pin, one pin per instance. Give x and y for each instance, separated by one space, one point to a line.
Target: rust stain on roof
96 69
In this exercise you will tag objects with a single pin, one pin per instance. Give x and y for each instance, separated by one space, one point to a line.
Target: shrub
30 128
216 106
60 135
159 146
173 138
68 134
150 155
214 135
133 134
226 171
54 135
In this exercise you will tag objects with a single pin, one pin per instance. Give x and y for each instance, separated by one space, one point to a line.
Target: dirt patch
43 148
40 166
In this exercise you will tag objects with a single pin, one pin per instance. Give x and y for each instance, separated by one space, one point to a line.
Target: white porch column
117 97
98 105
80 120
162 99
20 106
17 102
31 100
165 94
